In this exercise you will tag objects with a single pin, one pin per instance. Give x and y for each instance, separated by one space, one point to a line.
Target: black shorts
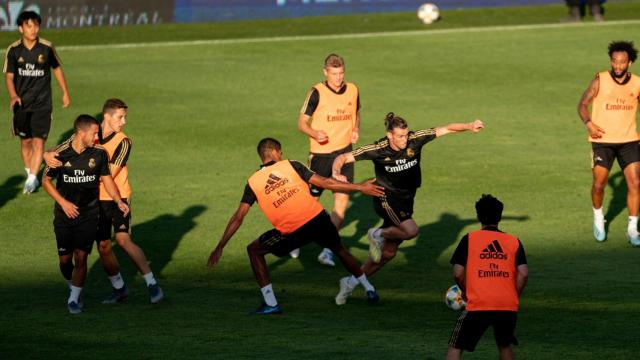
393 209
604 154
30 124
111 216
471 325
320 230
321 164
79 233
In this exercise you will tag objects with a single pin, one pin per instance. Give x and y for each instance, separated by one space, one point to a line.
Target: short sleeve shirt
31 69
78 178
461 254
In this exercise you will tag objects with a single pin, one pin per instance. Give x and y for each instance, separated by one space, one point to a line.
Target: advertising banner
85 13
221 10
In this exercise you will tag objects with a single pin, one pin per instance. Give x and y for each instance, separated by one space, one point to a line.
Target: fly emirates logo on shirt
340 115
30 71
401 165
622 104
78 177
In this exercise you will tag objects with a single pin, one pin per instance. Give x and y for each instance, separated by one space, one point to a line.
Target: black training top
32 73
398 171
78 179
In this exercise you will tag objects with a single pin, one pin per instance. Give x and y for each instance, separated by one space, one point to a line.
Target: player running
611 124
281 188
396 160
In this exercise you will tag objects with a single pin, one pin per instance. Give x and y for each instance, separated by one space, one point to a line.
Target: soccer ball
453 298
428 13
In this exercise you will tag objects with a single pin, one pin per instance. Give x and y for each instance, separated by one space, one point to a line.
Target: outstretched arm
366 187
595 131
474 126
232 226
338 163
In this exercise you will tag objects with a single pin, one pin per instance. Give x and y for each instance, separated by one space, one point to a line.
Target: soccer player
611 124
118 147
490 267
396 160
281 188
76 212
330 117
27 69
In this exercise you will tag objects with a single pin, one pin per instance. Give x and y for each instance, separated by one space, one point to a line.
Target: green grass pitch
196 113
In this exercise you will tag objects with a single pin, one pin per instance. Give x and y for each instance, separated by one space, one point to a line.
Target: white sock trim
268 295
149 279
74 294
116 281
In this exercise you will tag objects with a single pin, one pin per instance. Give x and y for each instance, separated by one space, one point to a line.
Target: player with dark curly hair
611 123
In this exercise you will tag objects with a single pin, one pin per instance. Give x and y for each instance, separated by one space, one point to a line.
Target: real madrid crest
41 59
410 152
92 163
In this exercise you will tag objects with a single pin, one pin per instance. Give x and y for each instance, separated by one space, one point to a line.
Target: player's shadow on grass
10 189
158 238
618 201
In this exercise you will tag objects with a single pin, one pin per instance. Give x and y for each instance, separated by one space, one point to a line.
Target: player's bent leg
257 253
134 251
258 263
107 257
406 230
389 250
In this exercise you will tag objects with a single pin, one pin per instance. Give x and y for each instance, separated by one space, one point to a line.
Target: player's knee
252 248
387 255
104 247
80 258
411 233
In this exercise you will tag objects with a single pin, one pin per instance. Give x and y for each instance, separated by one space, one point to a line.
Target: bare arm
112 190
474 126
66 100
303 125
115 170
69 208
366 187
338 163
594 130
355 133
521 277
459 276
11 89
232 226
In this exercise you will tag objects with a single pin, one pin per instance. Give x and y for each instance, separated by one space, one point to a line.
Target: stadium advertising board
220 10
86 13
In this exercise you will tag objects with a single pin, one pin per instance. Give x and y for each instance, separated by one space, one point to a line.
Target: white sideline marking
344 36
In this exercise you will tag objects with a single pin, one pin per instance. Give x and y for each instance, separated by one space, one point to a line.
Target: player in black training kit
27 69
396 159
76 212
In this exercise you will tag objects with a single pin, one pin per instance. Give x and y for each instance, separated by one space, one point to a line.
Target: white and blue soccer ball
454 299
428 13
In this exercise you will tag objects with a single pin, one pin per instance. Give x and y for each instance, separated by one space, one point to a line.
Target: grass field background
197 112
